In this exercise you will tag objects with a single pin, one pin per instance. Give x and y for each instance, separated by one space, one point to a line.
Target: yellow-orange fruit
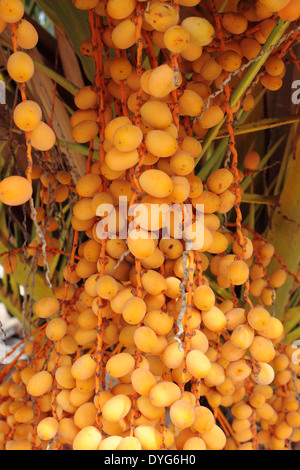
234 23
215 439
182 163
242 336
134 310
88 185
67 430
161 16
11 11
124 34
162 81
274 66
210 70
84 367
10 264
15 190
181 189
210 201
271 82
127 138
192 146
42 137
214 319
241 410
106 287
24 414
119 365
211 117
22 444
114 125
190 104
281 361
56 329
47 429
182 414
238 370
143 381
27 115
145 339
194 443
176 39
26 34
216 375
117 160
173 356
250 48
164 394
20 67
156 114
278 278
129 443
204 298
238 272
39 384
219 243
120 68
86 98
275 5
154 283
230 61
83 115
265 374
161 323
116 408
204 420
156 183
262 349
85 131
192 52
200 30
293 419
89 438
259 318
46 307
246 250
118 302
120 9
257 287
149 437
291 12
235 317
140 244
256 399
219 180
199 341
110 443
161 143
198 364
148 410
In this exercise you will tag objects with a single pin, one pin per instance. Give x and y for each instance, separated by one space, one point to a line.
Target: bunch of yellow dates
146 345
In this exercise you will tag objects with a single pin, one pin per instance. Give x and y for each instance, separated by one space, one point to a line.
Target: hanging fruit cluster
147 343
